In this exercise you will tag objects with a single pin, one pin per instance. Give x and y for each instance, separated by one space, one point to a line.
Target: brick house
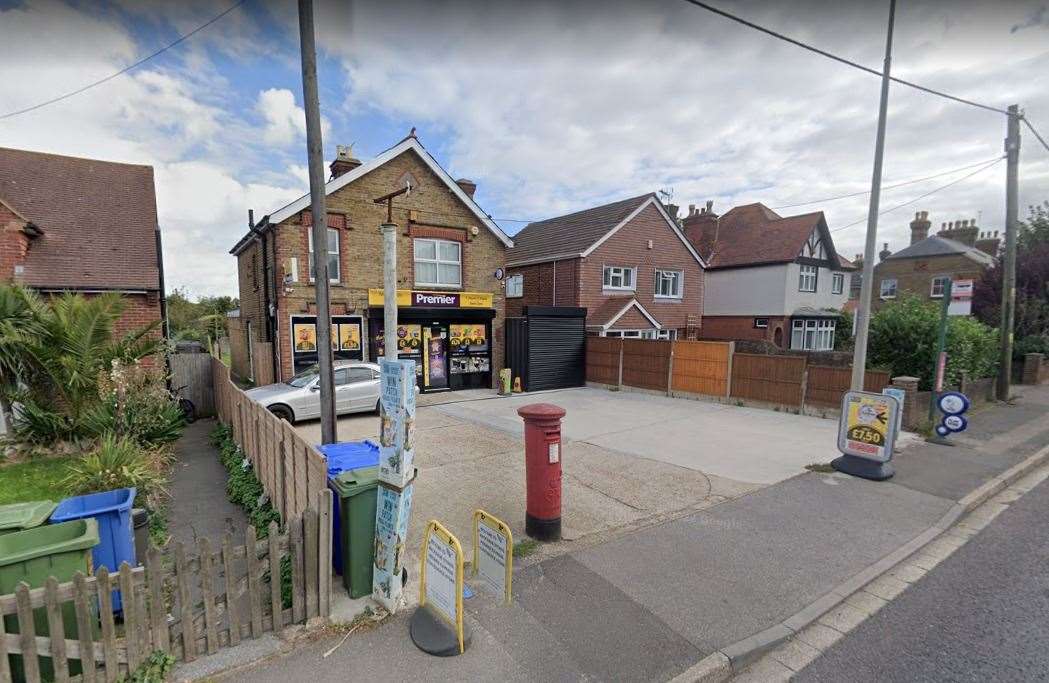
626 262
448 250
82 225
769 277
959 251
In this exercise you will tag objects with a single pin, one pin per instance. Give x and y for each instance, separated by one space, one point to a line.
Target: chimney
920 226
884 253
672 210
344 161
967 233
468 186
989 244
701 227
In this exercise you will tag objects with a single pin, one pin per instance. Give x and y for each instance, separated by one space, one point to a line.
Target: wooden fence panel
646 363
701 367
826 385
194 372
202 616
602 359
773 379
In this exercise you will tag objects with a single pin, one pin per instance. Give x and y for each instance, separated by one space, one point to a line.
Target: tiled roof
98 220
935 245
754 234
846 263
571 234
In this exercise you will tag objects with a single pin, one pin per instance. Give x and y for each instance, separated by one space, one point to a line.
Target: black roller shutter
556 348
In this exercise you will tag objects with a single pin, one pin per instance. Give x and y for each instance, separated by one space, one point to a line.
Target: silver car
356 390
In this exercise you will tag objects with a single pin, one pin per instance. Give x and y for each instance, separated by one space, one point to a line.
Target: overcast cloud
550 107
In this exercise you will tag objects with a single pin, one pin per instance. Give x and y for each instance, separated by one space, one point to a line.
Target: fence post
324 500
670 369
804 383
619 382
728 369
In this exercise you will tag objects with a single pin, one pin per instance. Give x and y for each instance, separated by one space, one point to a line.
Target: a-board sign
900 395
493 554
441 578
867 426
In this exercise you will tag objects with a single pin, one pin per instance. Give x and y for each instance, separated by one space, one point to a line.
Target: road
981 615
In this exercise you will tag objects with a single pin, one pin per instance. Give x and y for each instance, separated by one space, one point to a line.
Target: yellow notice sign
493 559
441 577
867 427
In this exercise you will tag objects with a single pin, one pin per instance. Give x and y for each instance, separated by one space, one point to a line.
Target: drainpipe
267 300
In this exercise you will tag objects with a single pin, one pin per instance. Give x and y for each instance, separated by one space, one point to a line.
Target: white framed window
630 334
515 286
669 284
619 277
807 278
938 286
761 323
887 288
837 283
438 263
333 255
813 334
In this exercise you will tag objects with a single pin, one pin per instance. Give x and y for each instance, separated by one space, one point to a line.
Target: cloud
285 121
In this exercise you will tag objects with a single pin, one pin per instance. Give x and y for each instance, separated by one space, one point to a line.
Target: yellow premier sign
410 298
441 577
867 427
493 554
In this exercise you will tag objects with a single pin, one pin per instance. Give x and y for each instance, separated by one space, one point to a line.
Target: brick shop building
450 317
82 225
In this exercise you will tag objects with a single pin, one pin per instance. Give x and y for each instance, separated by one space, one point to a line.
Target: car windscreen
304 378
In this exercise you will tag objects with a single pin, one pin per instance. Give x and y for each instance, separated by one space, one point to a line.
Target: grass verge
36 479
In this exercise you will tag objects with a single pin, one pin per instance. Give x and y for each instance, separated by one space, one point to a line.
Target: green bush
118 462
134 402
39 425
904 336
1031 344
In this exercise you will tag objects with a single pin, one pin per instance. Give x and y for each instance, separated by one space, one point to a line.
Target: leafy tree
203 320
1032 284
904 336
843 340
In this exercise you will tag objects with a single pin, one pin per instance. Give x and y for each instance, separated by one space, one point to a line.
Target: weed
525 547
823 467
154 670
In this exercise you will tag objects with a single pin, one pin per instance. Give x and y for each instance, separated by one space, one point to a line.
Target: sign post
493 558
437 626
867 434
941 350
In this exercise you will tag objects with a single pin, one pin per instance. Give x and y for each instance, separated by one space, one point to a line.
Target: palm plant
20 311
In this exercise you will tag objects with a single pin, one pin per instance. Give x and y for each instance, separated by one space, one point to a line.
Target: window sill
936 296
887 298
618 290
807 291
442 288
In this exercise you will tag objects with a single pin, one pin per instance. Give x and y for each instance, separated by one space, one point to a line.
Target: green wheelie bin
59 550
22 516
355 492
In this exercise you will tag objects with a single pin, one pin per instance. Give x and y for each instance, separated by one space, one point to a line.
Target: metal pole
389 289
1005 327
862 323
314 148
941 347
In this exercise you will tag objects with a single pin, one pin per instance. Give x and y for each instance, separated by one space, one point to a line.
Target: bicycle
189 410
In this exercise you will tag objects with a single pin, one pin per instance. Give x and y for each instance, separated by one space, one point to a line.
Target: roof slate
98 220
935 245
571 234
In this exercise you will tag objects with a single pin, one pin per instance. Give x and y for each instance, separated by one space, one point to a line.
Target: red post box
543 469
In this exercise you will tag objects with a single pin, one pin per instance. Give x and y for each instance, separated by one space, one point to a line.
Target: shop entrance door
435 358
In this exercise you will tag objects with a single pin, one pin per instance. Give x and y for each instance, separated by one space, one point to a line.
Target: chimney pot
468 186
344 161
710 205
691 209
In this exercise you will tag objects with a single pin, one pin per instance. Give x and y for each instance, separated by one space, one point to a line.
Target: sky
550 107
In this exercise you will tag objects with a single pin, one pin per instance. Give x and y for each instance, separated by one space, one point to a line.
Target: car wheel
378 407
283 413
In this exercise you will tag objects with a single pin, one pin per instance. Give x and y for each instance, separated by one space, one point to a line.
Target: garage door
547 347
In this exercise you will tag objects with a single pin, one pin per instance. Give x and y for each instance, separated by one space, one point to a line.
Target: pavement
978 616
199 505
648 601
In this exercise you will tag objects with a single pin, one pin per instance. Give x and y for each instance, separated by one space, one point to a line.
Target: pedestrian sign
493 554
867 427
441 577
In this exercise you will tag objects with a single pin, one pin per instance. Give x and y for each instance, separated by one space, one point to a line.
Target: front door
435 359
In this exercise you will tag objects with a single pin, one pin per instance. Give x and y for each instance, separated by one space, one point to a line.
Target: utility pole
1012 180
863 311
319 230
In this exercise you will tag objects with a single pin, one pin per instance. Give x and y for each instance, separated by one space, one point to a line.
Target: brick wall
741 327
13 243
629 247
915 276
546 284
430 209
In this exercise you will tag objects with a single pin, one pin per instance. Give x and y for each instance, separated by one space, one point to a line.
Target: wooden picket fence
716 369
291 470
185 604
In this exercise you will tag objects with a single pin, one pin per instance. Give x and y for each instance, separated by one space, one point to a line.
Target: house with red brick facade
450 300
626 262
769 277
82 225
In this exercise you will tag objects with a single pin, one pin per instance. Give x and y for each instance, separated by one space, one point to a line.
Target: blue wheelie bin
112 511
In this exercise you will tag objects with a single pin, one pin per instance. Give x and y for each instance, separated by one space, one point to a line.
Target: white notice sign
491 559
440 577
